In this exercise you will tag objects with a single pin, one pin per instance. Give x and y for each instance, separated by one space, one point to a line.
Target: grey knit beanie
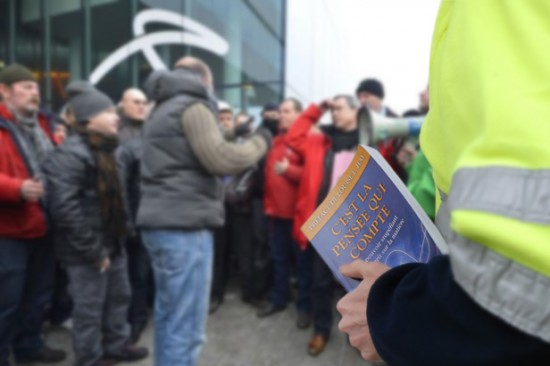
86 101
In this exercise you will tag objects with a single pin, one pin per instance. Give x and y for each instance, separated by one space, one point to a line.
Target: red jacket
312 145
18 219
281 190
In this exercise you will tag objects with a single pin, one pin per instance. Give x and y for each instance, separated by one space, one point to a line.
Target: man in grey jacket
182 202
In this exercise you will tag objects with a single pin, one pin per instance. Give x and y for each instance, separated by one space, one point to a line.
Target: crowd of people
169 195
176 185
267 204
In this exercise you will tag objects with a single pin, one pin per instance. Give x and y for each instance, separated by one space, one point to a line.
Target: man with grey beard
26 254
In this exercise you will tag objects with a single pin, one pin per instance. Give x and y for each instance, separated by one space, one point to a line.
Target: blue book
370 215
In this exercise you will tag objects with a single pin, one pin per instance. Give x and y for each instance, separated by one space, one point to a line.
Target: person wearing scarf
327 150
26 254
87 205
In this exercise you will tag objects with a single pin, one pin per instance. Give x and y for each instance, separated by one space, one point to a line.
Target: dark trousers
140 272
62 304
100 313
263 270
322 296
284 251
239 237
220 270
26 283
242 237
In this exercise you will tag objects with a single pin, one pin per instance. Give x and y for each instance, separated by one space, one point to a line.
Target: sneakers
47 355
129 353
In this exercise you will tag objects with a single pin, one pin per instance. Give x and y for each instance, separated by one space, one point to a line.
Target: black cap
371 86
15 73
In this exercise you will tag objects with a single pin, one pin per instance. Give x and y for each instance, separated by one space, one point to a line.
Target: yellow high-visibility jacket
487 137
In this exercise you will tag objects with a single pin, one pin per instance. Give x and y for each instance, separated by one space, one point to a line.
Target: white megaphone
374 127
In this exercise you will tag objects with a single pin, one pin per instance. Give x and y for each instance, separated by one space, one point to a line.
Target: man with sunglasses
133 111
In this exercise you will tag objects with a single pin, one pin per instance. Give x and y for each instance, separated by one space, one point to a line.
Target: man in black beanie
87 205
270 118
26 254
370 93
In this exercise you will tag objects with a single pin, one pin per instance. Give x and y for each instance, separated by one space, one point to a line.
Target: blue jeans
26 283
284 250
182 264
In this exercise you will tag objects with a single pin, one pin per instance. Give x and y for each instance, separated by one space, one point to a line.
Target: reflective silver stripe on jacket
514 293
521 194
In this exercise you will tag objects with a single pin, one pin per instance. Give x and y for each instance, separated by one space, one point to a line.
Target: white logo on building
194 34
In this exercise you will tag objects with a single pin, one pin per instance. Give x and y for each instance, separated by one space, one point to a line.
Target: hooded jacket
177 192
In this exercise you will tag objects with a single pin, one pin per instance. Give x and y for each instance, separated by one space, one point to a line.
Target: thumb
360 270
355 269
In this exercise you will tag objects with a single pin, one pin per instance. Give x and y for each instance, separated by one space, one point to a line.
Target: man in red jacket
327 152
26 256
283 171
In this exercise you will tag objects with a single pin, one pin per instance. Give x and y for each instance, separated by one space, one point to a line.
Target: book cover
370 215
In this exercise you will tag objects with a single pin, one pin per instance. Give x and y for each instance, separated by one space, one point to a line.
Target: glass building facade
117 43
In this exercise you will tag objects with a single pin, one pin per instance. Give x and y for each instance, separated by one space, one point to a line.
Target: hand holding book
353 306
370 215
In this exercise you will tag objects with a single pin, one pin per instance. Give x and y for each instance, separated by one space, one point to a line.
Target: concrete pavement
237 337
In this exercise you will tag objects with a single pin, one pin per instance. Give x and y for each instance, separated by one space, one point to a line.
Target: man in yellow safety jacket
487 137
